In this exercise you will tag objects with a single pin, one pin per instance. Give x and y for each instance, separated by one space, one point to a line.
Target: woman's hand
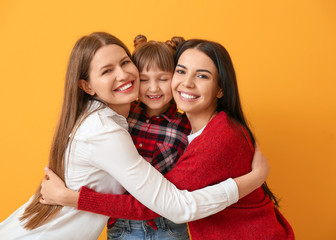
254 179
260 165
54 191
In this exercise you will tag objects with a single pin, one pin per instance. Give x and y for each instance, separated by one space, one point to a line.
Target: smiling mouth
188 96
154 96
124 87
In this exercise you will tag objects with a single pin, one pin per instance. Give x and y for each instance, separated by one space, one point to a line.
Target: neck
122 110
198 121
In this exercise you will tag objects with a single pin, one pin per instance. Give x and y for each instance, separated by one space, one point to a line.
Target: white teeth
125 87
154 97
187 96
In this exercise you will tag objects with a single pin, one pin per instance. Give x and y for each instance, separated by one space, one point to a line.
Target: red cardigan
220 152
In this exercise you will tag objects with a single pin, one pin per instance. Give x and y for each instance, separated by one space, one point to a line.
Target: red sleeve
113 205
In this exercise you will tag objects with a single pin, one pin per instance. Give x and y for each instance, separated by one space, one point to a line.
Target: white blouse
102 156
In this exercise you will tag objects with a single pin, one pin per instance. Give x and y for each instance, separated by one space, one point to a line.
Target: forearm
248 183
116 206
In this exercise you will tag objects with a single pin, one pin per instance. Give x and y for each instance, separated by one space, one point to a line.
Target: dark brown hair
75 105
230 101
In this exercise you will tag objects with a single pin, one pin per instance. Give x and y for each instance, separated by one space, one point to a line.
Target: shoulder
99 122
224 131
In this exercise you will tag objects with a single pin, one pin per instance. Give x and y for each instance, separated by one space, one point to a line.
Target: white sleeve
115 153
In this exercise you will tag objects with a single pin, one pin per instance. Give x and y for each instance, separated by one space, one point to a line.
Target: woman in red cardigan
221 146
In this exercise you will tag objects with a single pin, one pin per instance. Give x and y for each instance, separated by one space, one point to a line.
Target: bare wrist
70 198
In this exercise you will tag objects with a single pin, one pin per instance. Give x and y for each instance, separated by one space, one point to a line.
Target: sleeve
128 207
115 153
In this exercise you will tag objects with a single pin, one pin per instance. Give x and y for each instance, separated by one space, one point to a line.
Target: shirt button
140 145
147 121
157 117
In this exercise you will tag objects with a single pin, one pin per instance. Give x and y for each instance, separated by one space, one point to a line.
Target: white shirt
102 148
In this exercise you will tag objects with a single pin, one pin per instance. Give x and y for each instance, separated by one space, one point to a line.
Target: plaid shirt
161 140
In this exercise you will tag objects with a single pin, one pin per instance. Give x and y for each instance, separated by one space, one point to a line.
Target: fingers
43 201
49 173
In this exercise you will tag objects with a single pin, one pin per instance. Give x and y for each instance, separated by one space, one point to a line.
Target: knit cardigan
223 150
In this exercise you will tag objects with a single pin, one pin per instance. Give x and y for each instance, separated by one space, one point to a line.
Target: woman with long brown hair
221 145
93 148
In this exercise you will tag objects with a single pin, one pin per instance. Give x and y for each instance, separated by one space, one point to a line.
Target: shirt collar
169 115
192 136
108 112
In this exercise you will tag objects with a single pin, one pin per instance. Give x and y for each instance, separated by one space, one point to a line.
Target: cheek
167 88
142 89
174 83
132 69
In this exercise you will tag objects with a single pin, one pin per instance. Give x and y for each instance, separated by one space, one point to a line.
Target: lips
154 97
188 96
125 87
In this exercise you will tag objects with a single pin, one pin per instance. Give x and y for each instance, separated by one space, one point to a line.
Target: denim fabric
131 230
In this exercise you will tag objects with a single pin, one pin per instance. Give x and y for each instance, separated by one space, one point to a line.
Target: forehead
109 54
194 58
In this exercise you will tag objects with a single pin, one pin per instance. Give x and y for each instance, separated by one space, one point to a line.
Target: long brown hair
230 101
74 109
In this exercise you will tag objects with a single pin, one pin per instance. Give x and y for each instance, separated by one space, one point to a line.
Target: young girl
101 82
158 130
221 146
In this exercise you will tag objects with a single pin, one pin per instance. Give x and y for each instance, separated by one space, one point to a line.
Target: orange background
284 54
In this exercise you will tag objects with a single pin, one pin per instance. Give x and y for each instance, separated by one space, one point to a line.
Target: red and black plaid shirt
161 140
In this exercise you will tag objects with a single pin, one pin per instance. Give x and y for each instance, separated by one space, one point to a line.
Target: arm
125 206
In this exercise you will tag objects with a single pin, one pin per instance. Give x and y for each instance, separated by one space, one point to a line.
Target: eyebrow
198 70
111 65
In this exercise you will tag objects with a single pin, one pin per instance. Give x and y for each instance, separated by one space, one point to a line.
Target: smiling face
155 90
113 78
195 86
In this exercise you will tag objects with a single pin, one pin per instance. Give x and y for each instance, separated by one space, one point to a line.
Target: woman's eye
143 80
107 71
179 71
203 76
125 62
163 80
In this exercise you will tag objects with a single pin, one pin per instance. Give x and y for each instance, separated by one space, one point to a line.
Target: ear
86 87
220 93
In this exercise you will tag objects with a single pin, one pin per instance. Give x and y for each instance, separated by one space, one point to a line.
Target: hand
52 188
260 165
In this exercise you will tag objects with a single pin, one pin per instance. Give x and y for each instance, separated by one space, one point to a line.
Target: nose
121 74
188 81
153 86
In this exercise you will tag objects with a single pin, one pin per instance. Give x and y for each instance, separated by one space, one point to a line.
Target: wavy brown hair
74 110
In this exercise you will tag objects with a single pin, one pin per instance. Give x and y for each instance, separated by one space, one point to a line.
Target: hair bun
139 40
175 41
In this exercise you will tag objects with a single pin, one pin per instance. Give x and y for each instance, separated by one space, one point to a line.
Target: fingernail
46 168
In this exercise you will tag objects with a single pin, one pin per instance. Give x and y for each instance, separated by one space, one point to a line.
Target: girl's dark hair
230 101
155 53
